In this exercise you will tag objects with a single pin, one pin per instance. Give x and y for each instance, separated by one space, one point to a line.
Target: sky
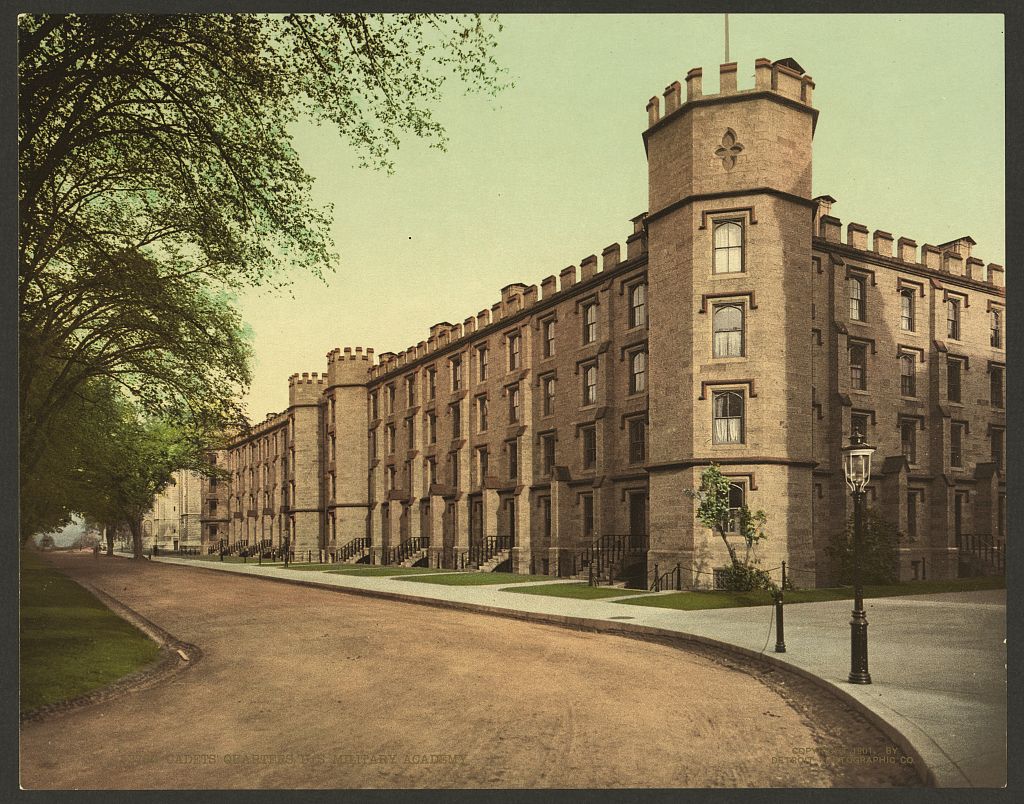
909 139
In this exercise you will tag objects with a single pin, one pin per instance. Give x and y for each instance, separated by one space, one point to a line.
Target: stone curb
635 631
168 663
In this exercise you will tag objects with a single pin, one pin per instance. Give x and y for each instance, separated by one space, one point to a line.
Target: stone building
739 327
175 519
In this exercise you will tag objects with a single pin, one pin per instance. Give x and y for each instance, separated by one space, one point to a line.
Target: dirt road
309 688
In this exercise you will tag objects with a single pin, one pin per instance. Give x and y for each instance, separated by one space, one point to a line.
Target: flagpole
726 38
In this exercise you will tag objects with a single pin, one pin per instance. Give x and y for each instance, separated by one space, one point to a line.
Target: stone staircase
356 551
414 559
495 561
981 556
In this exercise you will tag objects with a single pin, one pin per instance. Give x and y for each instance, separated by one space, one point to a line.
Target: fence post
657 578
679 577
780 636
924 575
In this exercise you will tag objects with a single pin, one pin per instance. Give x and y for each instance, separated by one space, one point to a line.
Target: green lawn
692 601
306 567
579 591
214 557
376 570
70 642
479 578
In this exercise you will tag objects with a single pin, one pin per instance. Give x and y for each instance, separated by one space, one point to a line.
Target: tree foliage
157 178
879 554
714 512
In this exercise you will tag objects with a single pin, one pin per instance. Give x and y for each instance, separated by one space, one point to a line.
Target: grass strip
478 578
70 642
577 591
377 571
695 601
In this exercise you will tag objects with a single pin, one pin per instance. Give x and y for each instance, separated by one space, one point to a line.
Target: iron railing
989 551
353 548
398 554
673 579
486 549
605 558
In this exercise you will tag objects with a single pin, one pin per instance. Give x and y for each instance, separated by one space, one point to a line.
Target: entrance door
510 518
637 519
958 518
448 526
476 521
426 525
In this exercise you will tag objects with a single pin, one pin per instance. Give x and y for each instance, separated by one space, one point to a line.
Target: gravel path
309 688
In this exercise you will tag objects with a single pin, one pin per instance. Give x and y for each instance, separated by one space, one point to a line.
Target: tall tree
714 512
134 457
157 178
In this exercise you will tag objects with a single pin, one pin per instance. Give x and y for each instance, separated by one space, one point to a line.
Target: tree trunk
729 547
135 526
108 531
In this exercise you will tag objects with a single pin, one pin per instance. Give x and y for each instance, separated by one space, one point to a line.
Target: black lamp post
857 468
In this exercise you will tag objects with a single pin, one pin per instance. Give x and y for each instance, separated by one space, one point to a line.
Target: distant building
738 328
174 520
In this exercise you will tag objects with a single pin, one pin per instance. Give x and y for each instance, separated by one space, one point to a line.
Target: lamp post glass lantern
857 468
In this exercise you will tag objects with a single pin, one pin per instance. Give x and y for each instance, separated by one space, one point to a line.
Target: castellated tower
304 445
729 236
346 463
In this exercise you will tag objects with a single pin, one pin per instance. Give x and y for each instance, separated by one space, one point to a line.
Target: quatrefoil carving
729 149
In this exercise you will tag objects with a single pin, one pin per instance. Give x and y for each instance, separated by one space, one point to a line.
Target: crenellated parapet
516 298
953 257
349 366
306 388
784 77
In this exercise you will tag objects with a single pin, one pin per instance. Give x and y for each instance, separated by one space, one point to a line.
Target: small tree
879 556
713 511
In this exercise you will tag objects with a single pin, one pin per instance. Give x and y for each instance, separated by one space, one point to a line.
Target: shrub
879 559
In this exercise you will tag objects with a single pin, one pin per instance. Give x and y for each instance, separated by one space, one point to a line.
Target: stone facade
737 328
175 519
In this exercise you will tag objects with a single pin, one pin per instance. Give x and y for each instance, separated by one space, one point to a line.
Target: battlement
953 257
516 297
784 77
349 354
349 366
306 388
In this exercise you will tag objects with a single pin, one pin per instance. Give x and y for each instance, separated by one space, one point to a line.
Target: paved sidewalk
938 662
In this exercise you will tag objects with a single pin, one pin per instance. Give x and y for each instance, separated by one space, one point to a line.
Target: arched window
907 309
728 248
590 385
908 375
728 326
638 305
855 290
638 373
728 417
732 522
590 323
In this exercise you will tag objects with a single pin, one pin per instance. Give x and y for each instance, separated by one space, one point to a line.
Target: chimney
830 228
857 236
568 277
883 243
610 257
588 267
906 250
